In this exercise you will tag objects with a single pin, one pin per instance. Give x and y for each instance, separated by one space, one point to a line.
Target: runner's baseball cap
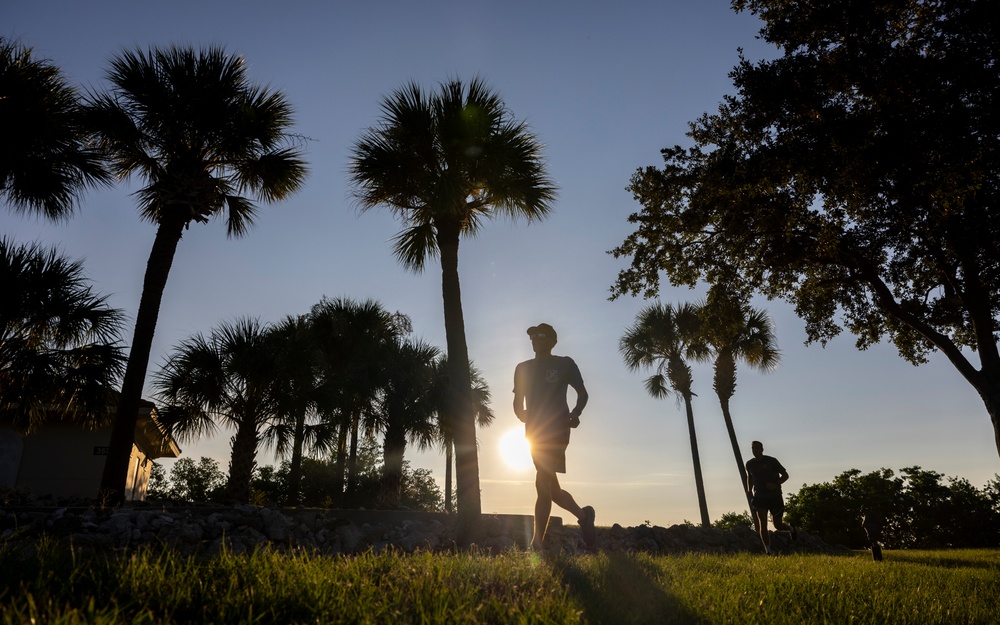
543 328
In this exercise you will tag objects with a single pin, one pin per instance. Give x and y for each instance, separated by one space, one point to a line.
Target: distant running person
765 475
540 386
871 520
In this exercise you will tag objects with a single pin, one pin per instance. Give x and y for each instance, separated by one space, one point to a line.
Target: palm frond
665 336
451 159
60 344
191 124
46 161
415 245
657 387
241 215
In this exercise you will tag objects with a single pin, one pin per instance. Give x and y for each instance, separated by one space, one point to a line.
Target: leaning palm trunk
725 386
161 257
459 397
724 402
699 481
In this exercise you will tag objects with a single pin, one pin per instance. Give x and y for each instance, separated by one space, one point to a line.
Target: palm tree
60 346
444 163
201 136
353 338
226 379
44 162
737 332
405 410
298 363
666 337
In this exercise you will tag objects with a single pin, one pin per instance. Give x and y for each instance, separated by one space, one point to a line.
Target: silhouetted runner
765 475
540 402
871 520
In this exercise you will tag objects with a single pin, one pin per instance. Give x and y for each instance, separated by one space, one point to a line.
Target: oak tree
855 175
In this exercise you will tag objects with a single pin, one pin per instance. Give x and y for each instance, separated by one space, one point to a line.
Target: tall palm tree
444 163
45 161
201 136
60 345
737 332
226 379
665 337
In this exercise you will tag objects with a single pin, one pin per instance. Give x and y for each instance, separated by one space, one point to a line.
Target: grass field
57 585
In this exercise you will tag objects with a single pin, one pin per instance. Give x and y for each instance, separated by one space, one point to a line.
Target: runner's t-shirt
763 470
543 382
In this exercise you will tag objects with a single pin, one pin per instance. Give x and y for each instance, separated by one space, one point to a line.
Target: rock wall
205 531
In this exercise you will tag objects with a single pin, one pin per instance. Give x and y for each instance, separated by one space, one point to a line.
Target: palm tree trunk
295 465
352 464
699 481
449 460
724 382
724 402
340 463
161 257
460 392
392 473
243 460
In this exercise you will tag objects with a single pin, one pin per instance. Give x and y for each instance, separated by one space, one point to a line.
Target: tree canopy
855 176
204 481
918 508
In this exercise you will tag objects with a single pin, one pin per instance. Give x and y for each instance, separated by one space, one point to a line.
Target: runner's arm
519 410
581 399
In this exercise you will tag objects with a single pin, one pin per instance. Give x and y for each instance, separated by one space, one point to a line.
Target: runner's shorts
548 449
765 502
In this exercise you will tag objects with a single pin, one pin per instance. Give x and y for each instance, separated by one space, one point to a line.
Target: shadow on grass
619 589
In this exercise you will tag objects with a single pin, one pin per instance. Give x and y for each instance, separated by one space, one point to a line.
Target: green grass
908 587
55 585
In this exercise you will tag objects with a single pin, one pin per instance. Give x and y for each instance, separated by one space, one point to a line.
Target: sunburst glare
515 450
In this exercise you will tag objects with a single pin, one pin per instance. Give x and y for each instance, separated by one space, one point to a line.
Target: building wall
139 468
63 461
11 448
67 461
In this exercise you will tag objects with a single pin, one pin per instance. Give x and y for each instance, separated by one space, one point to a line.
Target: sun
514 449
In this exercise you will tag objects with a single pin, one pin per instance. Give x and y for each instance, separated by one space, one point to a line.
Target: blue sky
605 86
